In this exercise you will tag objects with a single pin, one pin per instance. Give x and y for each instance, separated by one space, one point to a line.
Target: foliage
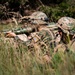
13 1
53 9
56 12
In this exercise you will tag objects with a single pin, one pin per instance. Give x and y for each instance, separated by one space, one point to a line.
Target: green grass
22 61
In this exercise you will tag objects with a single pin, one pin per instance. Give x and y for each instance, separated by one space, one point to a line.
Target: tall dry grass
22 61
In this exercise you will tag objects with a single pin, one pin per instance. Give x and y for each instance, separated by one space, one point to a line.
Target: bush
63 9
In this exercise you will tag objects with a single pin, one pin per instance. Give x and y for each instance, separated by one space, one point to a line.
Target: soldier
49 39
37 18
66 29
65 35
42 40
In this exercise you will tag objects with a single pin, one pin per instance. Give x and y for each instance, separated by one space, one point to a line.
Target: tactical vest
43 40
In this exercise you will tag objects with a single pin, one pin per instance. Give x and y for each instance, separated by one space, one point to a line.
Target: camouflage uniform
37 18
67 26
48 39
44 40
40 40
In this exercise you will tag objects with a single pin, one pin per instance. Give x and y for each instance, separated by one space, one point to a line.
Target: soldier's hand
10 34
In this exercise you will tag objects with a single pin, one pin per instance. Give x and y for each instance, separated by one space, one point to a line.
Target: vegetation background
23 61
53 8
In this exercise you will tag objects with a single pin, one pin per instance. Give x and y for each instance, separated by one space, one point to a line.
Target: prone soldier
64 34
37 19
49 37
39 39
66 29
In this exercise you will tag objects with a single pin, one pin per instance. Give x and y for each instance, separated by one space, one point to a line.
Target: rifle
26 30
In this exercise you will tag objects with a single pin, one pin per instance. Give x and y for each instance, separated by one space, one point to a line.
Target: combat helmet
39 17
67 25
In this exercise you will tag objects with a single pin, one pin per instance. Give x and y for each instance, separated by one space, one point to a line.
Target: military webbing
45 36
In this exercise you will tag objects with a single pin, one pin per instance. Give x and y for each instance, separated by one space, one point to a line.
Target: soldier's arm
22 37
12 35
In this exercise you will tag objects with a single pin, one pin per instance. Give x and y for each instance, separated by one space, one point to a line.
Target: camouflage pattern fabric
39 15
39 18
23 37
45 35
67 24
43 40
